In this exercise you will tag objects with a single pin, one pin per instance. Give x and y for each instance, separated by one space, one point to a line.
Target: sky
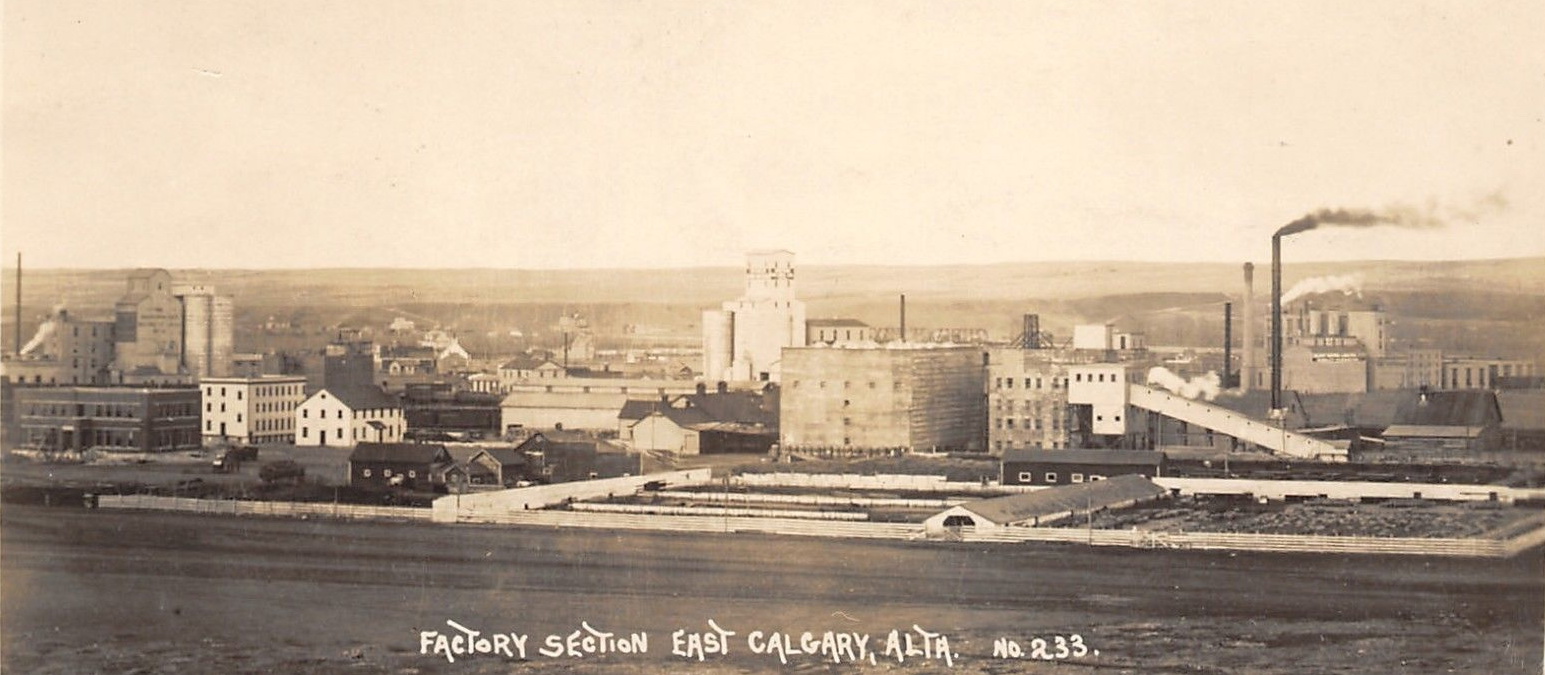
597 134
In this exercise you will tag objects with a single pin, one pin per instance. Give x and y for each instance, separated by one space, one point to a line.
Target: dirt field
91 591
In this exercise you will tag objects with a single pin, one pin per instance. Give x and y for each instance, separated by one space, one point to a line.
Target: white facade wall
251 410
1103 387
323 419
658 432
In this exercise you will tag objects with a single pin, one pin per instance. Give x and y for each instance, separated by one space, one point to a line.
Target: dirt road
91 591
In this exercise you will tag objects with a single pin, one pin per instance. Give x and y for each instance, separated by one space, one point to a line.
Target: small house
408 466
497 468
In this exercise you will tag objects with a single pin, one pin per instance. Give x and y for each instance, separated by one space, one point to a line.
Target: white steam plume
1349 284
1206 387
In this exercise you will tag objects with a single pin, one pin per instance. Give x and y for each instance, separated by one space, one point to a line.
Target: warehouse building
110 419
1065 467
902 396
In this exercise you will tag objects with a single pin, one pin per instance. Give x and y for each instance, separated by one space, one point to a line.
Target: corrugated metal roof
1030 505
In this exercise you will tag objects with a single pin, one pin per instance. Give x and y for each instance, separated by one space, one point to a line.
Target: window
366 473
1094 477
386 473
1051 477
1026 477
412 473
1076 478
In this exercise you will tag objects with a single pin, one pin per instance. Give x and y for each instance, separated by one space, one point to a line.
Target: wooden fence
232 507
1522 540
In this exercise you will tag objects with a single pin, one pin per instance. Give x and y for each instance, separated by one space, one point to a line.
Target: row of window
1051 477
845 385
387 473
1007 445
1029 423
1031 382
261 391
371 414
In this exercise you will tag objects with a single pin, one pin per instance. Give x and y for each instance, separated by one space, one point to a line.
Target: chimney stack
1228 345
18 303
903 317
1276 322
1247 354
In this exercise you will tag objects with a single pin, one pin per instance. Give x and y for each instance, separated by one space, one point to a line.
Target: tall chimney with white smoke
1397 216
1247 357
1276 321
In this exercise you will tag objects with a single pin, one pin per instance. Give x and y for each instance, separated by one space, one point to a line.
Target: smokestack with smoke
1398 215
1205 387
1349 284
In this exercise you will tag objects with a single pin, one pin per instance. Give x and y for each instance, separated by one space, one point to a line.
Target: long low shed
1044 506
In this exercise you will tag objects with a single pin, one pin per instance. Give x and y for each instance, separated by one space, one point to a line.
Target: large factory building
895 397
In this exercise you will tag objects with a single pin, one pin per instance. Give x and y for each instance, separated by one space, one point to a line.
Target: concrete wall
475 507
1282 489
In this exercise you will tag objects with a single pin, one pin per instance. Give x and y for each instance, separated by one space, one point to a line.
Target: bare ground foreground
91 591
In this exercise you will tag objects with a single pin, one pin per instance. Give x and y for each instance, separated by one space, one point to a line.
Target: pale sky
351 133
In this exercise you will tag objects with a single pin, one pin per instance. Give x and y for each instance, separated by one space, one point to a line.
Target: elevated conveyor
1224 421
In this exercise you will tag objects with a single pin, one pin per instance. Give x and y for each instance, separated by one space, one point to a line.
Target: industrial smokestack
1030 334
18 303
1228 345
903 317
1247 357
1276 319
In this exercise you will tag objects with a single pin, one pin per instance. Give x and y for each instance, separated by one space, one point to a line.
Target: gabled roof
740 407
1081 456
524 362
1462 408
1523 409
1374 409
504 456
836 323
744 407
367 397
637 410
418 453
1062 499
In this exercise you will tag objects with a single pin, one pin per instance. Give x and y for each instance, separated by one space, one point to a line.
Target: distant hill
1172 301
708 286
